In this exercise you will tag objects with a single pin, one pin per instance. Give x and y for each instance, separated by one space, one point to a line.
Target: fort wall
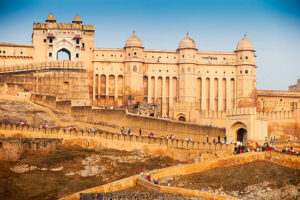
177 149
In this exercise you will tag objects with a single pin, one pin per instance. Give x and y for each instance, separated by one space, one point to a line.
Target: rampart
12 148
177 149
287 160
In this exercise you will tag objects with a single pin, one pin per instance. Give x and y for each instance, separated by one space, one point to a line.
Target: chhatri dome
245 44
187 43
134 41
50 18
77 20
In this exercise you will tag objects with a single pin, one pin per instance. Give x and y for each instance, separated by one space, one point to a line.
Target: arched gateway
239 132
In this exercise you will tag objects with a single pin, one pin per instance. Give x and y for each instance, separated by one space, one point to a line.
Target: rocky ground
69 170
260 180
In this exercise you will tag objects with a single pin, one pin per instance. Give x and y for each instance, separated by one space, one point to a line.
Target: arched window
63 54
134 68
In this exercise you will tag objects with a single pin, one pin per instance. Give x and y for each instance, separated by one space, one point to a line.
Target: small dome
187 43
50 18
77 19
245 44
134 41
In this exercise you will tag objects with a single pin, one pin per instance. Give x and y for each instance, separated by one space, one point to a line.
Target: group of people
219 140
125 132
172 137
45 126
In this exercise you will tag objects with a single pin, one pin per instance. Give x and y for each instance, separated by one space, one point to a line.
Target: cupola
50 19
77 20
187 43
245 44
134 41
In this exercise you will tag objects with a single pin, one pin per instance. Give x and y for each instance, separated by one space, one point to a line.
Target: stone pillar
163 100
228 94
116 91
212 94
94 87
220 95
155 89
99 79
203 103
149 89
106 91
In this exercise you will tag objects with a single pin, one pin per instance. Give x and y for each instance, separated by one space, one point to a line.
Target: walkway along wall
182 150
287 160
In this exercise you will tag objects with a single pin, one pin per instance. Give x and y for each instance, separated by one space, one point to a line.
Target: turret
187 64
246 74
134 59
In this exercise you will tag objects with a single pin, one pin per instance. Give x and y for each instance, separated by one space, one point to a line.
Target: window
111 55
246 71
50 54
167 70
21 52
240 58
152 56
241 72
207 72
77 55
82 45
224 72
174 57
224 58
0 51
183 56
121 56
134 53
3 51
102 55
128 54
44 40
246 57
50 40
216 72
77 41
1 145
159 70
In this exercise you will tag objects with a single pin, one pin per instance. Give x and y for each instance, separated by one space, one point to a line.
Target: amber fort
186 92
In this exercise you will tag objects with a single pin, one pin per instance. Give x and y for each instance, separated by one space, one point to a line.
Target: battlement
241 111
66 64
63 26
275 115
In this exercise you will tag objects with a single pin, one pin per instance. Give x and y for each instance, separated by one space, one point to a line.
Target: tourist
214 141
148 176
125 133
173 137
167 137
207 138
225 139
232 141
219 138
155 182
129 131
140 131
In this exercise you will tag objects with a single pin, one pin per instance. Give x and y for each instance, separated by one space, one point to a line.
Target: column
116 91
170 97
99 79
155 89
203 100
149 89
220 95
94 87
228 94
163 98
212 94
106 90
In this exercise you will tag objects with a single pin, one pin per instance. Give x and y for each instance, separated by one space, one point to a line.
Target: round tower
133 73
187 66
246 74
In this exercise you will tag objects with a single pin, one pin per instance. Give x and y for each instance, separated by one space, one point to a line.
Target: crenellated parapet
276 115
63 26
66 64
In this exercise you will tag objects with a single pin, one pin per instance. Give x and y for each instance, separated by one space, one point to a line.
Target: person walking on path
140 131
219 139
207 138
225 139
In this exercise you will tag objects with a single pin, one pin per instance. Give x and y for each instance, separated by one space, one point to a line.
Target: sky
273 26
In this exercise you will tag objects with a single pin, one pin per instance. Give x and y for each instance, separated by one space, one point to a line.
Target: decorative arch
60 54
181 117
239 131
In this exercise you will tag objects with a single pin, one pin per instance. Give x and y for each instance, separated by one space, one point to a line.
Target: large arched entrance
241 135
63 54
238 132
181 117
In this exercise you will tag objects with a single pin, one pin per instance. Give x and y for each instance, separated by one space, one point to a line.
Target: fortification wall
287 160
176 149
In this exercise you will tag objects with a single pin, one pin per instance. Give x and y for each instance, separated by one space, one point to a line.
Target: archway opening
181 118
242 135
64 54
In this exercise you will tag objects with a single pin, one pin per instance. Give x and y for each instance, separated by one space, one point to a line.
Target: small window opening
128 54
1 145
246 71
241 72
77 41
50 54
45 40
240 58
77 55
183 56
134 53
21 52
50 40
82 45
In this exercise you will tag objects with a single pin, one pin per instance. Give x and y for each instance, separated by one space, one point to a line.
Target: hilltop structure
187 84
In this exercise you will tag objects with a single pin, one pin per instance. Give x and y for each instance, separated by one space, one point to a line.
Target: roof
134 41
187 43
245 44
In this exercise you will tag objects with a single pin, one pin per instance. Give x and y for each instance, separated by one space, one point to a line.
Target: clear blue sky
272 25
